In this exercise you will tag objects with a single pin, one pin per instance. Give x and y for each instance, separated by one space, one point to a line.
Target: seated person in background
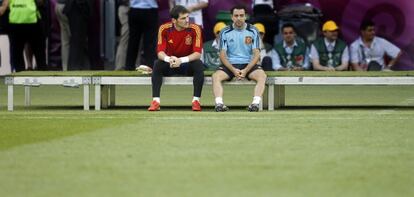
179 52
194 7
329 53
239 53
291 54
368 51
211 54
265 49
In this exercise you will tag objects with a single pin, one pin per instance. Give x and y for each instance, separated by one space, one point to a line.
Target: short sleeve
355 53
198 44
390 49
223 41
162 39
313 53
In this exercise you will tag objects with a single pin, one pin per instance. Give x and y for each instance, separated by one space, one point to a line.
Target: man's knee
216 76
197 66
259 75
219 76
160 67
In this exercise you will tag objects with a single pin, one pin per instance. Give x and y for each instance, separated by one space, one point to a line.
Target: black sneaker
221 108
253 108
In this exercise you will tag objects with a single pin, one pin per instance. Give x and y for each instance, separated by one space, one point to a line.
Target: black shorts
239 66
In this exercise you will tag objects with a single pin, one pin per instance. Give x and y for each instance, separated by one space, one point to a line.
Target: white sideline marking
205 118
409 101
386 112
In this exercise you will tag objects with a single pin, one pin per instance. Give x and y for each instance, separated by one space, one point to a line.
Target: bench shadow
210 107
347 107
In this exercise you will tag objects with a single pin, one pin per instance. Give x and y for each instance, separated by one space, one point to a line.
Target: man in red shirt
179 52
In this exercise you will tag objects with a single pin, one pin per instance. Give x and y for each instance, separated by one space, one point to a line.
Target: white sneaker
143 69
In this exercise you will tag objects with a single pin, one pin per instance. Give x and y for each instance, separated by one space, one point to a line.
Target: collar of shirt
286 46
374 42
327 43
243 28
215 44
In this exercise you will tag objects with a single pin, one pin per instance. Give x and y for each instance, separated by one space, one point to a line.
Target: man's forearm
254 61
394 61
342 67
225 61
356 67
198 6
193 56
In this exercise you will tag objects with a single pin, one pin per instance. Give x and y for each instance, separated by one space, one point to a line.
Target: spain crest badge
248 40
188 40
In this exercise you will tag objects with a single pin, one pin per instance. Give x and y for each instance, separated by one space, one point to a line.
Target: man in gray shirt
368 51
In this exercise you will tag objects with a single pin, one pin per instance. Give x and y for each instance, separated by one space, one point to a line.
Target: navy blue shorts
240 67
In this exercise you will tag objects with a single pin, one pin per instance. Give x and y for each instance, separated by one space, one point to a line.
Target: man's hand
243 73
237 73
330 69
174 62
297 68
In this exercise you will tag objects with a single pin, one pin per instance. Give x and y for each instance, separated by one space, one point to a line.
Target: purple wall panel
391 16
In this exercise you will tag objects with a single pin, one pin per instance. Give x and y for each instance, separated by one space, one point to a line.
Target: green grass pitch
329 141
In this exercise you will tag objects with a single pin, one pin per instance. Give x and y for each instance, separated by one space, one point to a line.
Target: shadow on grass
210 107
347 107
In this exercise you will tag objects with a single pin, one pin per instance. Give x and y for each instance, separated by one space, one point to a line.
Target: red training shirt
179 43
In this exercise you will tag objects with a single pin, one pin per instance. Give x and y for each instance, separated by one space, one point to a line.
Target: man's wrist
167 59
184 59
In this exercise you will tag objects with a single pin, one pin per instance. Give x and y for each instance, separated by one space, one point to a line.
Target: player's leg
258 75
218 77
160 68
196 69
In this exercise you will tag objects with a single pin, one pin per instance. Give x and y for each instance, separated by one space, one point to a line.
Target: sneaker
143 69
155 106
221 108
196 106
253 108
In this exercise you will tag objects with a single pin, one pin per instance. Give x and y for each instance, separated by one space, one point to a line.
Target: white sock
256 100
196 98
219 100
156 99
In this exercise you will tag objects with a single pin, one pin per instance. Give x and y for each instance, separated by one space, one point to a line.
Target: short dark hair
177 10
287 25
365 24
238 7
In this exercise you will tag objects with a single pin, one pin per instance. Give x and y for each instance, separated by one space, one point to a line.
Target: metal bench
105 86
274 97
36 81
276 87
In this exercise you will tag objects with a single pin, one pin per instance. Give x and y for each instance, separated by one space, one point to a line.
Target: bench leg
280 96
10 98
85 97
271 97
97 97
112 93
265 101
105 96
27 96
261 106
